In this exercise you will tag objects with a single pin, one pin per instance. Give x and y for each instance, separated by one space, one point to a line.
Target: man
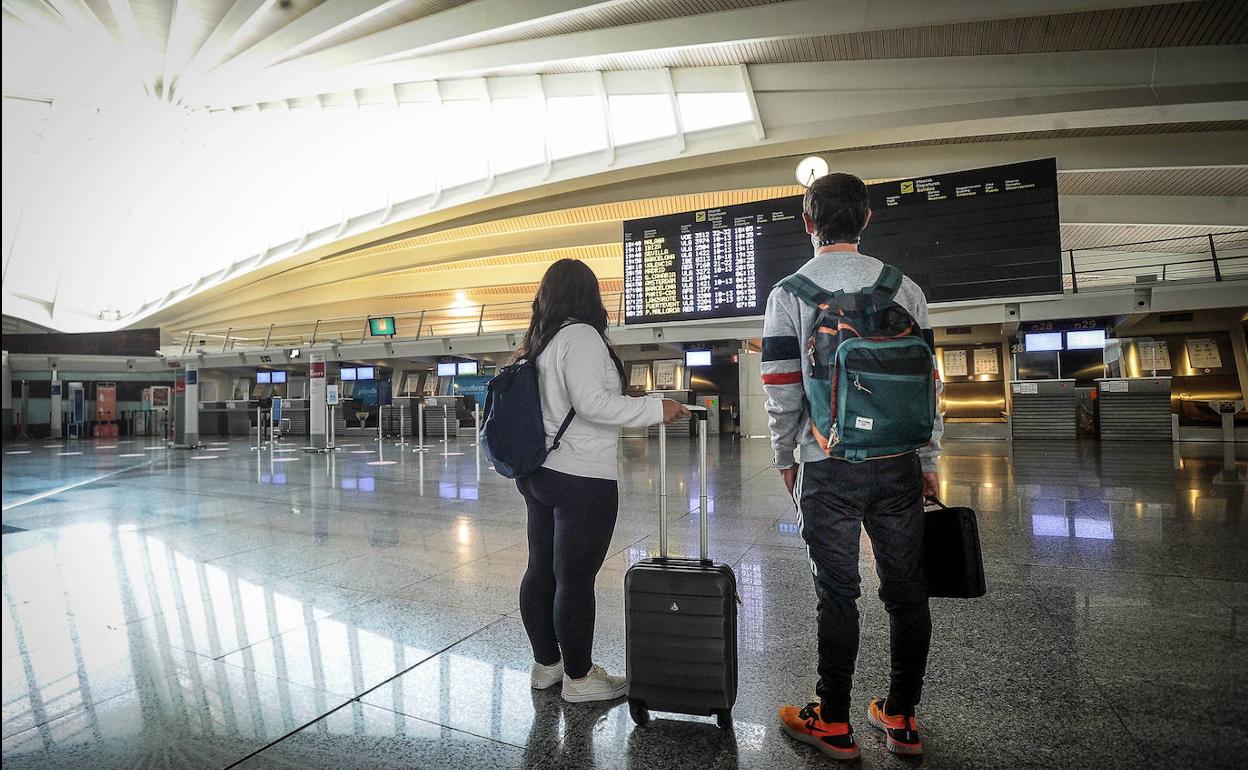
835 497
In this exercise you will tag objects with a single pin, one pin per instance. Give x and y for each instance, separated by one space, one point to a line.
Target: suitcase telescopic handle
700 414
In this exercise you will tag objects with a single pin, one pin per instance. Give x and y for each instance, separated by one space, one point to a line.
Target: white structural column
186 413
54 406
317 427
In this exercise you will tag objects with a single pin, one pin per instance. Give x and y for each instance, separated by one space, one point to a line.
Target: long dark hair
569 292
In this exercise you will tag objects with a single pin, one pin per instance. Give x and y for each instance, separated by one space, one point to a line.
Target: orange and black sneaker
836 739
900 732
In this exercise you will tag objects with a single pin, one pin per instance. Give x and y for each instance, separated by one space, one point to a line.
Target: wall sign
986 361
955 363
1203 354
1154 355
665 375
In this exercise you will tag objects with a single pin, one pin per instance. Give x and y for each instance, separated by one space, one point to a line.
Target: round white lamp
810 169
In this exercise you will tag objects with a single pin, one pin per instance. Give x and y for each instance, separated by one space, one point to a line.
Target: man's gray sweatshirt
788 325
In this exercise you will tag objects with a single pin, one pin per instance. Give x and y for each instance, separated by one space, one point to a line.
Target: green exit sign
381 327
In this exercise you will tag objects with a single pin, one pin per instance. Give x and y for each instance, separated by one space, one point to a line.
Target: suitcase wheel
640 714
723 718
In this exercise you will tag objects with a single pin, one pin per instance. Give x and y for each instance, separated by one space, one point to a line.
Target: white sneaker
545 677
596 685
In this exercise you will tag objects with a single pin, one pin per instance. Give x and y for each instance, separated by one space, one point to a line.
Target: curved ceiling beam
347 67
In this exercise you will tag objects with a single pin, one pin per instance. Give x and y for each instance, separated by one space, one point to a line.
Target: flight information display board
979 234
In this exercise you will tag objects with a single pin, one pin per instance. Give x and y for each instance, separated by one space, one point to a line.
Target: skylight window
576 125
518 133
700 111
639 117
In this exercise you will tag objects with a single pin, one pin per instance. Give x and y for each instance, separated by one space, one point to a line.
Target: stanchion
402 433
259 430
446 431
379 438
476 424
420 427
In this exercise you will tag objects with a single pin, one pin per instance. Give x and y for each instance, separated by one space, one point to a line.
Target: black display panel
985 233
981 234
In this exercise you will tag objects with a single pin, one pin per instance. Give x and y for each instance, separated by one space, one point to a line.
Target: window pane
463 152
638 117
577 125
708 110
519 134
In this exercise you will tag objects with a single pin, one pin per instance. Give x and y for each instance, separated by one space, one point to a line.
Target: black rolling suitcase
681 621
952 558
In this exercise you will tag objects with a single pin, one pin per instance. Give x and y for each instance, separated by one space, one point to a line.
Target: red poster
179 385
318 369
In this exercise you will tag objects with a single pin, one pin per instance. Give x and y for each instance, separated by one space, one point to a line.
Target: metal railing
1194 259
466 321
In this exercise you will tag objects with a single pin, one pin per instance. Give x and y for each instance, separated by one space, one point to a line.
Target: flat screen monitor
966 235
264 378
1087 339
447 370
381 327
279 378
467 367
697 358
366 373
1042 341
347 374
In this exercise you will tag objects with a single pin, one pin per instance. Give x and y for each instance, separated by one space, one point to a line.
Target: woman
573 498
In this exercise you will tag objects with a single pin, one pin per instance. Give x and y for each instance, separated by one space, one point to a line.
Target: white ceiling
181 161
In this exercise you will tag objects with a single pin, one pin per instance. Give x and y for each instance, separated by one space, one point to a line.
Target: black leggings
571 519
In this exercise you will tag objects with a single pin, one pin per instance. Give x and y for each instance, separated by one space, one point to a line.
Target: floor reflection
193 614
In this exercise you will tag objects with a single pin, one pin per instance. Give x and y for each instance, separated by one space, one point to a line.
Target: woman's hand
673 411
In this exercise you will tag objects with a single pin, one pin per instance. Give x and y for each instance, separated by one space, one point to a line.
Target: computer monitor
697 358
1088 339
279 378
1042 341
366 373
347 374
264 378
468 367
447 370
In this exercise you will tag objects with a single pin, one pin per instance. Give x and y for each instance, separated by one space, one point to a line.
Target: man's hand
789 476
931 485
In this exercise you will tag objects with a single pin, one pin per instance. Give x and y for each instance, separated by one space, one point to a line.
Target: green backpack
871 382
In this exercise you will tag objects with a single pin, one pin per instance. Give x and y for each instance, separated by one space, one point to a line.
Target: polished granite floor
275 609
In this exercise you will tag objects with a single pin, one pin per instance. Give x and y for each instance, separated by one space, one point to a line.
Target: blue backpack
513 433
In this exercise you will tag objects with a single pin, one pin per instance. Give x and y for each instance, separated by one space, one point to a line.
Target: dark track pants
836 499
571 519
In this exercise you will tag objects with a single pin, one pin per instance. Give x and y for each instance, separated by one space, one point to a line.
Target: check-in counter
442 416
344 408
400 417
1042 409
296 411
212 418
1134 409
238 417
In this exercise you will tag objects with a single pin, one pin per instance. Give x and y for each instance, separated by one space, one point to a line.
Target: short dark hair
838 205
